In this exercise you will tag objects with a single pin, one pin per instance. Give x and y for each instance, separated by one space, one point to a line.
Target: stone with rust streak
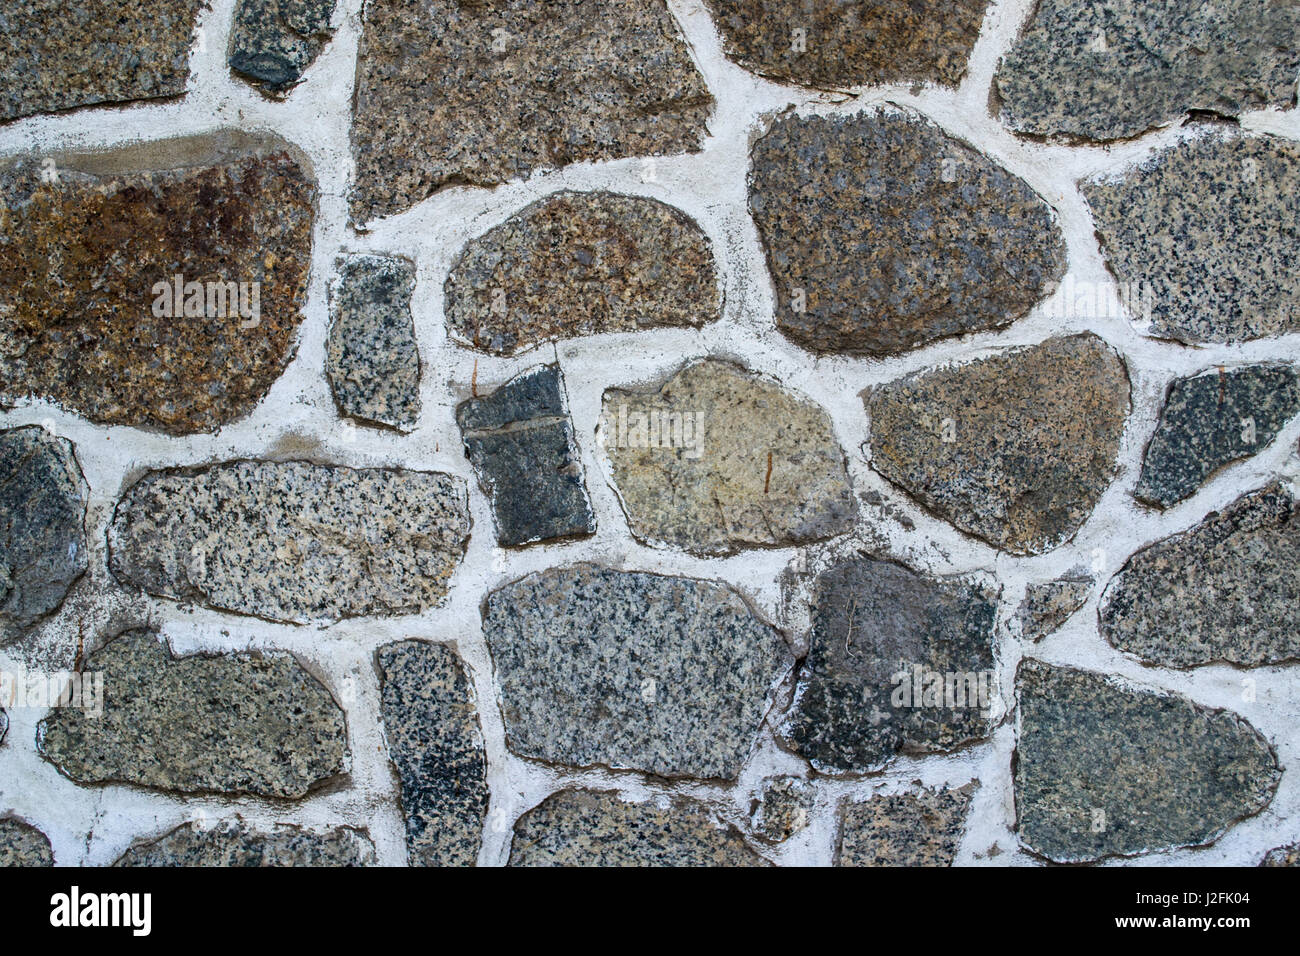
905 829
234 843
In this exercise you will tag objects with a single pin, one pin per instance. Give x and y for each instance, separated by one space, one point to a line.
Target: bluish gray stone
274 41
236 844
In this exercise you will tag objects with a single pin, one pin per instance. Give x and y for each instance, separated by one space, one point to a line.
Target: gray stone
23 845
1048 605
1282 856
783 808
4 725
274 41
236 844
908 829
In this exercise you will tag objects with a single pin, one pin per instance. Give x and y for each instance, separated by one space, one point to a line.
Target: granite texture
783 808
1283 856
273 42
23 845
1048 605
235 844
907 829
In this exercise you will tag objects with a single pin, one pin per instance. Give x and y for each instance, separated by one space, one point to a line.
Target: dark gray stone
235 844
23 845
783 808
274 41
1048 605
907 829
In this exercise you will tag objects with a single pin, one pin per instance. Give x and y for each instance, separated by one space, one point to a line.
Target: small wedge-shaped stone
782 808
1103 768
23 845
883 233
718 458
1016 448
292 541
905 829
1048 605
581 264
1225 590
237 844
231 723
274 41
631 671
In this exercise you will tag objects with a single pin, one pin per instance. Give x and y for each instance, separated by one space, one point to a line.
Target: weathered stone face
908 829
1283 856
783 808
89 272
1015 449
579 264
231 724
273 42
1048 605
1103 769
235 843
512 87
292 541
23 845
718 459
627 670
883 233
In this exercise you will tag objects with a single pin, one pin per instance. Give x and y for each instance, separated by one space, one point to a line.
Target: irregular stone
1203 232
1283 856
235 843
1113 69
4 725
371 356
512 87
274 41
594 828
1227 590
680 669
907 829
292 541
578 264
1210 420
883 233
43 498
897 663
232 723
1016 448
783 808
23 845
436 746
93 246
1048 605
1106 769
521 443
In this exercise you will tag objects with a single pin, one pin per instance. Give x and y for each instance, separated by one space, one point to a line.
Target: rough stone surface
231 724
1225 590
718 459
512 87
593 828
274 41
897 663
4 725
581 264
783 808
23 845
1205 231
1048 605
86 257
292 541
1283 856
239 845
1112 69
1103 769
909 829
521 443
435 743
883 233
1015 449
629 670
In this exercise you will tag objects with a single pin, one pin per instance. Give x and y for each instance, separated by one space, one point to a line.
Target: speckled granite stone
371 356
897 663
883 233
23 845
1104 769
783 808
512 87
292 541
233 723
1225 590
907 829
1111 69
434 741
1206 229
718 458
85 259
273 42
594 828
1048 605
1210 420
1016 448
581 264
42 526
630 670
236 844
1283 856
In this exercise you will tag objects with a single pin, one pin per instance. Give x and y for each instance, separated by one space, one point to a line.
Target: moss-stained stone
1016 448
595 828
1112 69
432 726
577 264
784 807
1105 769
883 233
507 88
1049 604
231 723
1205 231
292 541
908 829
1282 856
23 845
1226 590
628 670
718 458
236 844
274 41
92 247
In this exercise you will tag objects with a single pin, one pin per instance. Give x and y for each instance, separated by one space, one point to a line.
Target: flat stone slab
907 829
292 541
681 671
1016 448
883 233
1106 769
235 843
23 845
513 87
783 808
1283 856
1227 590
273 42
578 264
231 724
1048 605
718 458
